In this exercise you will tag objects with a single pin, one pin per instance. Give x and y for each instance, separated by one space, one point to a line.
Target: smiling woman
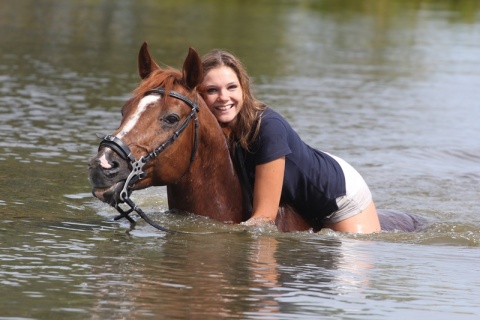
282 169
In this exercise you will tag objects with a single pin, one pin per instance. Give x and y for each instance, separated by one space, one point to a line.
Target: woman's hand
254 221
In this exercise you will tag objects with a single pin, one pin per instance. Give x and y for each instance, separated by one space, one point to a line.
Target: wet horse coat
196 166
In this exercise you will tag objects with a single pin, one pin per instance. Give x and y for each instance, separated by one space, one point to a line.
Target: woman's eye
211 91
171 119
232 87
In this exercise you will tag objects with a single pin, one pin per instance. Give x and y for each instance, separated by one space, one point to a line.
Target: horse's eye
171 119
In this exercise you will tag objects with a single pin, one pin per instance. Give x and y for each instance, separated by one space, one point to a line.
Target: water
390 86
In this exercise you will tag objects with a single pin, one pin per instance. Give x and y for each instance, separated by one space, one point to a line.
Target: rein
137 172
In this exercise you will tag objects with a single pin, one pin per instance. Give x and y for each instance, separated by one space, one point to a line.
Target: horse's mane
167 79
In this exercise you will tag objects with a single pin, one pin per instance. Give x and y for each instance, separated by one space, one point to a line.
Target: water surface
391 87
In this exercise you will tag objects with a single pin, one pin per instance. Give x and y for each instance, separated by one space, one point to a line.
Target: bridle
136 166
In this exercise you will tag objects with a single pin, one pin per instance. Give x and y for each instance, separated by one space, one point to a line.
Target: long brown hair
248 122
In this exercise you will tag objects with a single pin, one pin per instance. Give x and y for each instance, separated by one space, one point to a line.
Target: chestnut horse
168 136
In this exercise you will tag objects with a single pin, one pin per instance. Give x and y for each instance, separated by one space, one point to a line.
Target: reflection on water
94 270
391 86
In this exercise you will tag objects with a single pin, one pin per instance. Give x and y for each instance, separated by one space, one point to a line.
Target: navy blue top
313 179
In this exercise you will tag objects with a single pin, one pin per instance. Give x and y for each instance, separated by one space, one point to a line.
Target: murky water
390 86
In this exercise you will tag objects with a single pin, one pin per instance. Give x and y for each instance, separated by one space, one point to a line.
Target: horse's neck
211 186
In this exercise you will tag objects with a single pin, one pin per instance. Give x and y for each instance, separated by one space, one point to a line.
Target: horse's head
162 110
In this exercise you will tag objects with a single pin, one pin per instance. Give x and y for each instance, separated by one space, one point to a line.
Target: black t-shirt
313 179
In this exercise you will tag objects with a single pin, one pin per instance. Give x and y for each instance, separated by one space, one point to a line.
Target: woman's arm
267 190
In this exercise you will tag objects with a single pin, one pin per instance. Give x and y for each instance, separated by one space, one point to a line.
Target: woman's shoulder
271 116
269 113
275 125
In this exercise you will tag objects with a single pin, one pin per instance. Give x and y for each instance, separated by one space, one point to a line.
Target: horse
168 137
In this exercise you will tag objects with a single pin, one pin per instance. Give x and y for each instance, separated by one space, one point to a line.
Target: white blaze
142 106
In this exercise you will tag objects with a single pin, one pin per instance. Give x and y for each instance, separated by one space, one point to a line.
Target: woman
279 165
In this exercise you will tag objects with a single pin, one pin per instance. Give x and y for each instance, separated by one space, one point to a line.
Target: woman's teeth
225 107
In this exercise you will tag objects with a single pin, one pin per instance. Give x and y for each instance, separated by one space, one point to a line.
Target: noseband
136 166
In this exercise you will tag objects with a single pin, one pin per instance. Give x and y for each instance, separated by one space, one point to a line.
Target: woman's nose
223 95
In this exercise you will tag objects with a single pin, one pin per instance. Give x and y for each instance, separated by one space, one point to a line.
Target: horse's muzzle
107 174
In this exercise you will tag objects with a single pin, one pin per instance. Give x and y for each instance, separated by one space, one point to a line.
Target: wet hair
248 119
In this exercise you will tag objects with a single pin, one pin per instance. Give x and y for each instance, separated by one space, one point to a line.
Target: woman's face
223 94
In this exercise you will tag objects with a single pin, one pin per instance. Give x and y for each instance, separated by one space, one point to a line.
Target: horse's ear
192 69
145 62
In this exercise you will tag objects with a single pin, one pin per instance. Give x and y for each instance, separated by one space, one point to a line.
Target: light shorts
357 198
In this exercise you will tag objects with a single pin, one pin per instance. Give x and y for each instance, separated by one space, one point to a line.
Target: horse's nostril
109 163
115 164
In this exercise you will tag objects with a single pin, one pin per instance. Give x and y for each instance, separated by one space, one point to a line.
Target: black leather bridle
136 166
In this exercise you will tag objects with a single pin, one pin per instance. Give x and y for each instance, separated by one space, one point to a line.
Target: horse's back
288 220
391 220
